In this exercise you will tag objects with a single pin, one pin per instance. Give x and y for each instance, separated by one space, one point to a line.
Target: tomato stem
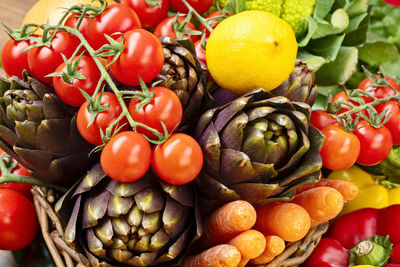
198 16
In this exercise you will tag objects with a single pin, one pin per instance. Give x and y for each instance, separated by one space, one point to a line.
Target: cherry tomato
164 28
126 157
379 91
102 121
341 96
149 15
116 18
18 221
179 160
45 60
393 124
393 2
13 60
143 57
200 52
340 150
70 93
395 255
200 6
165 107
72 21
320 119
214 22
376 143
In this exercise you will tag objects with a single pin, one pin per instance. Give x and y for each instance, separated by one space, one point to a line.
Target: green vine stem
198 16
8 177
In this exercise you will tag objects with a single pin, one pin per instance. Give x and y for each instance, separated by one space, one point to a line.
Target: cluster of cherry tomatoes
128 154
366 145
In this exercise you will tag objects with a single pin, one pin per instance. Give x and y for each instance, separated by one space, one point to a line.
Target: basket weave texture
53 233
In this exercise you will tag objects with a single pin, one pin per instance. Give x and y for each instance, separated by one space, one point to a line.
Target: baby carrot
321 203
274 246
250 244
289 221
228 221
218 256
348 190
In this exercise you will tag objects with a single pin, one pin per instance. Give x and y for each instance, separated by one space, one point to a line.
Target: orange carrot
228 221
274 246
348 190
250 244
218 256
289 221
322 203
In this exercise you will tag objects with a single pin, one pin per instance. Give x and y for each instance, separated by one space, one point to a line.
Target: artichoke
40 132
186 76
299 86
258 148
142 223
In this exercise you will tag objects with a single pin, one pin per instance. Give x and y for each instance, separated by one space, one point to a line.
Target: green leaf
235 6
357 7
327 47
392 67
313 62
357 30
322 8
340 70
374 54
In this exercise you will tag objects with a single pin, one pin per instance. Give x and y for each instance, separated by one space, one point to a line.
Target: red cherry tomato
395 256
102 121
214 22
341 96
164 28
126 157
72 21
320 119
70 93
18 221
340 150
165 107
393 2
45 60
379 91
376 143
149 15
393 124
200 6
143 57
23 188
13 60
200 52
179 160
116 18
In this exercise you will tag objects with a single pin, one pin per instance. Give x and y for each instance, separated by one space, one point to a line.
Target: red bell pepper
363 237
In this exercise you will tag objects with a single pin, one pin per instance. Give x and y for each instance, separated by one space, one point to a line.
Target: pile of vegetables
170 141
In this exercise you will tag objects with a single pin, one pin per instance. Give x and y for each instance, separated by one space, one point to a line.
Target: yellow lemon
251 49
52 10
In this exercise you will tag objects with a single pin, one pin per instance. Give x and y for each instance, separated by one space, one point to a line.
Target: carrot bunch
239 233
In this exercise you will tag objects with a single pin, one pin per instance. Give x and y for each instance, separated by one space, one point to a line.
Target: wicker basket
295 254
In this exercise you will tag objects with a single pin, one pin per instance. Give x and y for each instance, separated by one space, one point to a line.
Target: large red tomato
92 133
116 18
126 157
70 93
143 57
18 221
45 60
179 160
164 28
149 15
200 6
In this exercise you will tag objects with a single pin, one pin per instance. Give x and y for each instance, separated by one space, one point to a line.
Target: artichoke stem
369 253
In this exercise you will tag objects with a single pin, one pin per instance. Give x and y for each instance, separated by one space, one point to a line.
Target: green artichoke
142 223
299 86
257 148
40 132
186 76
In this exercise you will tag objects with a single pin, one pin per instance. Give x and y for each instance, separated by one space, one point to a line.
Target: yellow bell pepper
370 193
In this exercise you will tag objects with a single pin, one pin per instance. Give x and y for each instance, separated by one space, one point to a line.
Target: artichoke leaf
27 131
259 112
51 136
304 146
216 189
232 135
105 232
70 229
130 189
254 192
144 259
211 146
175 217
236 167
94 244
227 113
95 207
118 206
181 193
149 200
254 144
